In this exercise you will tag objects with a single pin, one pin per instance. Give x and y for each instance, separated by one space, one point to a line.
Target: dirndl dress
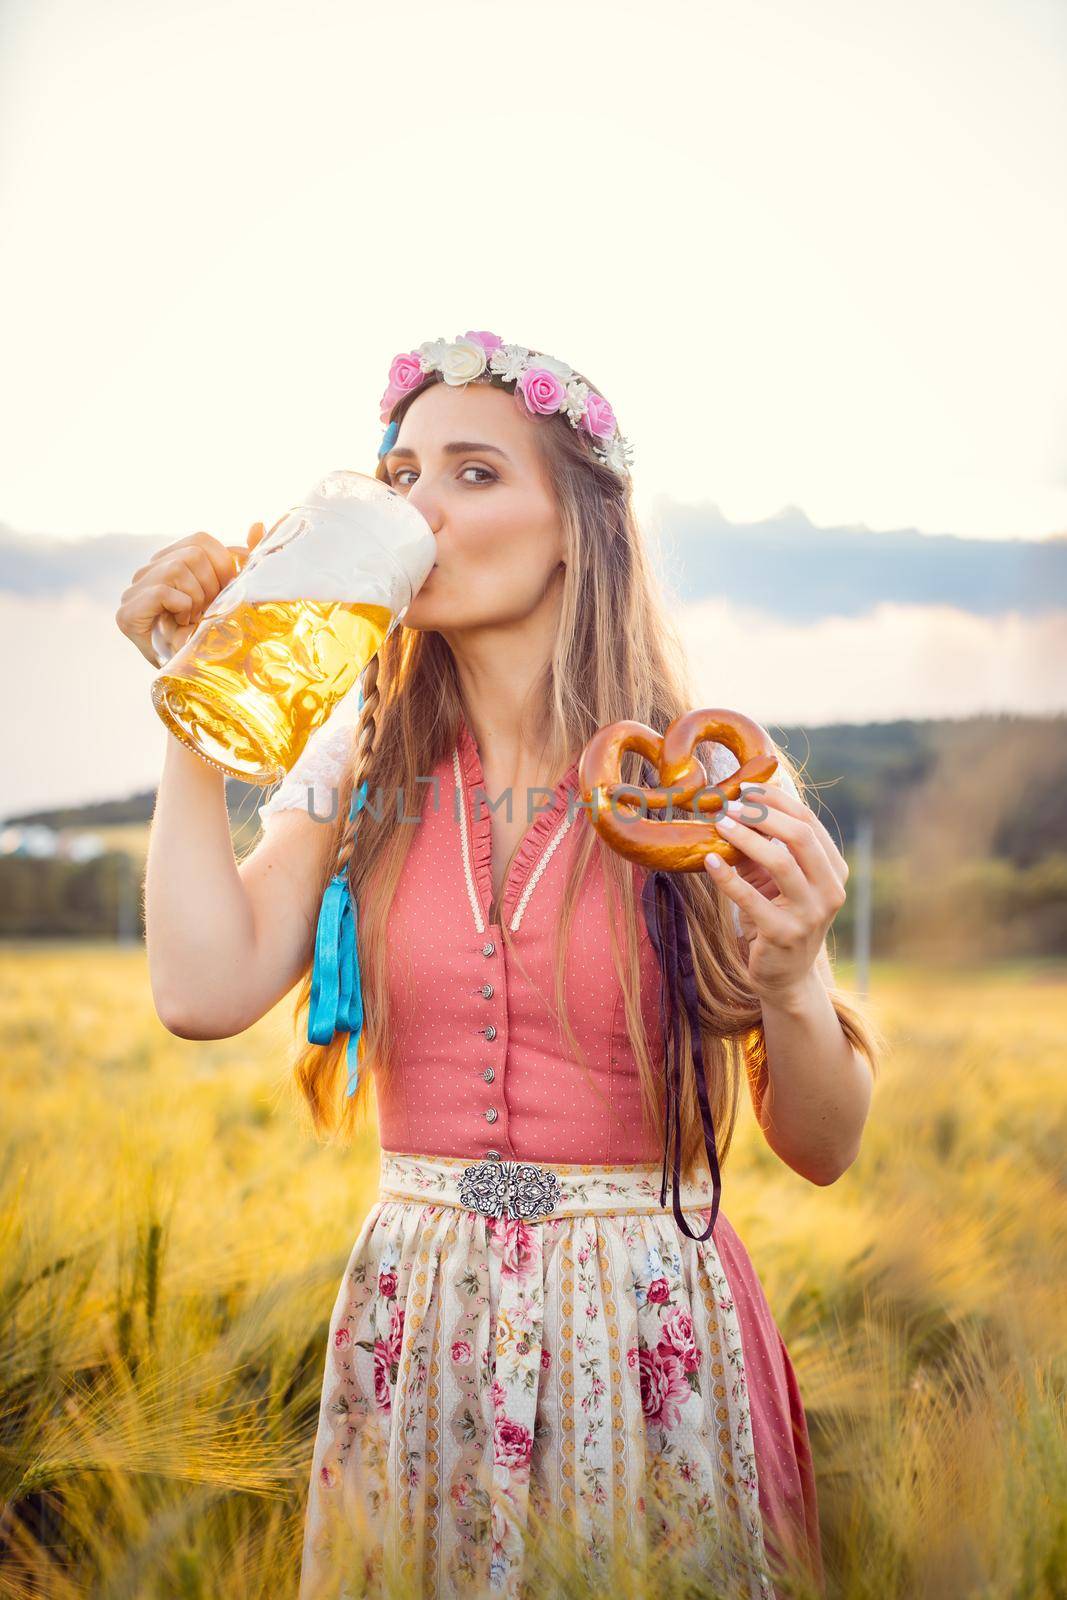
494 1366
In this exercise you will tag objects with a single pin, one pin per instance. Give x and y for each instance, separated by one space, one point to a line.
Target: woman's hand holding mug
174 588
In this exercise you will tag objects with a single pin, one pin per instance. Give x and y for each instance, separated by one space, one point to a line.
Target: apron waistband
533 1191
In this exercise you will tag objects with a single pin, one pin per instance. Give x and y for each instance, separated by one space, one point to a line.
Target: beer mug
288 636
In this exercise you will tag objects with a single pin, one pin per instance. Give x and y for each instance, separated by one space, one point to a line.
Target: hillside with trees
968 824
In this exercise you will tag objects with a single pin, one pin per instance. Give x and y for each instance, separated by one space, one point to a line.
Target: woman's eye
397 480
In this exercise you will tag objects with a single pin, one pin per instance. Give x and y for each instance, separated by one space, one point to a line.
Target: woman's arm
819 1087
226 941
788 892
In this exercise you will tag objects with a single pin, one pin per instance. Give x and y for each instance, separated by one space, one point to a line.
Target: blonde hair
616 656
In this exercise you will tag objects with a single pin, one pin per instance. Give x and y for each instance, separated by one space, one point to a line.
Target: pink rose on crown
513 1443
599 418
488 341
676 1337
405 374
542 390
664 1386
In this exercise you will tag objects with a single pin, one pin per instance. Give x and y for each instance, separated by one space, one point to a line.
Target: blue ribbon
336 986
674 952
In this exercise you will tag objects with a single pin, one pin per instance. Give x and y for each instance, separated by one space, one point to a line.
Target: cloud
784 564
791 569
895 661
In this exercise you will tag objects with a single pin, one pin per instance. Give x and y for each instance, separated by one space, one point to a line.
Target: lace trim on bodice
543 837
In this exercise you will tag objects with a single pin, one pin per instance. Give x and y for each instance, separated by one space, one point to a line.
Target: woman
591 1363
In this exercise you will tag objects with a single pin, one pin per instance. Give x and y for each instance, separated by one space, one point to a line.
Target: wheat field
172 1238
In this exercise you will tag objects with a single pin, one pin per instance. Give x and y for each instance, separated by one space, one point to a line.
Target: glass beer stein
284 641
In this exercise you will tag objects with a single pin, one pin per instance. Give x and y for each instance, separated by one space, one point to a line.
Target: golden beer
248 691
285 640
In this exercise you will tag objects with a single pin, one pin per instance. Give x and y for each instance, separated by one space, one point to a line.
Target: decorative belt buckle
519 1188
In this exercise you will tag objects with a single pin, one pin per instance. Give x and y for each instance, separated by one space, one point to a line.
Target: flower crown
546 385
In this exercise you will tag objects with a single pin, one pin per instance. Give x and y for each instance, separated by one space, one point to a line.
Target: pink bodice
481 1062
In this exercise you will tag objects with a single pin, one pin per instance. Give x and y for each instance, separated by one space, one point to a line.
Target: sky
812 253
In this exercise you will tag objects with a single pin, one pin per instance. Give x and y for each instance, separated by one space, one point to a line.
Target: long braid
366 737
334 988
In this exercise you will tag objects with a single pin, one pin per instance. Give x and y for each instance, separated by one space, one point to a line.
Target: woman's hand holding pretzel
774 858
788 887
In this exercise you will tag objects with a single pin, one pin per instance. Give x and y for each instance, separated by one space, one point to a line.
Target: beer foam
352 539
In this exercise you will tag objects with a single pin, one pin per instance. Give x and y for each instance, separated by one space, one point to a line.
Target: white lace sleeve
313 783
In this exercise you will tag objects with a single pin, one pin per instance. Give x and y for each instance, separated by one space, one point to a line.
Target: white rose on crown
462 361
559 369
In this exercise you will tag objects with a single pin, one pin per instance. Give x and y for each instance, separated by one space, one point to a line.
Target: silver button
490 1032
489 948
487 990
491 1114
492 1155
488 1074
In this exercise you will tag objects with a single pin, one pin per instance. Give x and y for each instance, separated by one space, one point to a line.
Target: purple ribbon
675 954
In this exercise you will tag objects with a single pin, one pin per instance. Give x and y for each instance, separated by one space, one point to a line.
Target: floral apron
514 1340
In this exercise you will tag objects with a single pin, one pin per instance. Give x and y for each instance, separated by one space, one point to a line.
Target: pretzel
676 846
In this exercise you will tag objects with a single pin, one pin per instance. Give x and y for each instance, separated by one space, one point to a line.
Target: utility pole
862 873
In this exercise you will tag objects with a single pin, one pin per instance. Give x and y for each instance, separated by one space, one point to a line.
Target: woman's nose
427 503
